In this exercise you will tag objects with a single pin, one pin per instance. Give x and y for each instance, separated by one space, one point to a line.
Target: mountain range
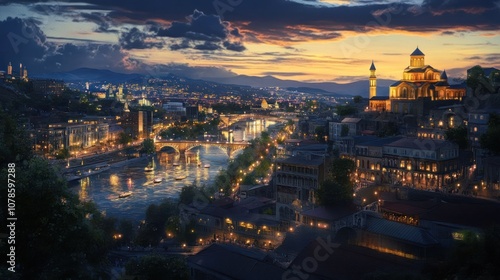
326 88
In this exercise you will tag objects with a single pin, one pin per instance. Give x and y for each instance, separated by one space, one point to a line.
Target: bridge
182 146
231 119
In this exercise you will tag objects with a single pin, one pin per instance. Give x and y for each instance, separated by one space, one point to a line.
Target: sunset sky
306 40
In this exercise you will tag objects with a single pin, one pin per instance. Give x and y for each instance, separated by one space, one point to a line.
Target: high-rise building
119 95
9 69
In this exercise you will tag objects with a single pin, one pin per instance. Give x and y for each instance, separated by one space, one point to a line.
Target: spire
373 81
444 77
417 51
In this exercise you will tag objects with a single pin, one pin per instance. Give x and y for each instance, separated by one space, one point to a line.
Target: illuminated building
297 179
421 86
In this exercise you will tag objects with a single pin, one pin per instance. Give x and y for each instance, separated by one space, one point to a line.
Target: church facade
421 87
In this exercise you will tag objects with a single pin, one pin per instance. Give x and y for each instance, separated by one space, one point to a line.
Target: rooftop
303 160
330 213
353 262
438 207
351 120
417 51
380 98
235 263
407 233
415 143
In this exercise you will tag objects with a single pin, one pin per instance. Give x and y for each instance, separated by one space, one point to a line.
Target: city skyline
298 40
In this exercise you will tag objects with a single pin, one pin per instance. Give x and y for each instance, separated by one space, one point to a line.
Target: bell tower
373 81
417 58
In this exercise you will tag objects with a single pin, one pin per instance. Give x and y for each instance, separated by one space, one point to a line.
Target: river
104 188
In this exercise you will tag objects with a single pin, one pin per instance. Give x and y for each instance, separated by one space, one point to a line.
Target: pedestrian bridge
182 146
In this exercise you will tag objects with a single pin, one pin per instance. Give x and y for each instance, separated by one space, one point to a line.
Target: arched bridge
181 146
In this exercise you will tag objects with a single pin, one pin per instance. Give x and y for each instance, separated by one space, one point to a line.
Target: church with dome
421 87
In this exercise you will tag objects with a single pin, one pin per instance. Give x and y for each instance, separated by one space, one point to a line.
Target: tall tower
417 58
20 70
119 95
373 81
9 69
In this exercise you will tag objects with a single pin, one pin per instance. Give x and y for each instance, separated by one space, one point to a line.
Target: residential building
138 124
424 163
296 180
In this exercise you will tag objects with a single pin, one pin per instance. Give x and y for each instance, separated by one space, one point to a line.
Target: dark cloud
439 7
199 27
184 44
102 21
22 42
234 46
26 43
137 39
204 32
279 21
448 33
207 46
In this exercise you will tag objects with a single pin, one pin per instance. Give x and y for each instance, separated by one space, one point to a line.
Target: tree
345 110
124 139
63 154
473 77
357 99
389 129
14 142
489 140
57 236
457 135
476 256
148 146
320 133
338 187
332 193
190 193
153 228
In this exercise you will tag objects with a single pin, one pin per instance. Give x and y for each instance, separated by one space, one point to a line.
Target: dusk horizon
309 41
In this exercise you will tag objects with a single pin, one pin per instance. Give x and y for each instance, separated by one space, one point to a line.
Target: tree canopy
458 135
57 236
338 186
489 139
148 146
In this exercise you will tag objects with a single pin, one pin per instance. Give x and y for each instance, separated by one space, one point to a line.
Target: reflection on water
105 188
